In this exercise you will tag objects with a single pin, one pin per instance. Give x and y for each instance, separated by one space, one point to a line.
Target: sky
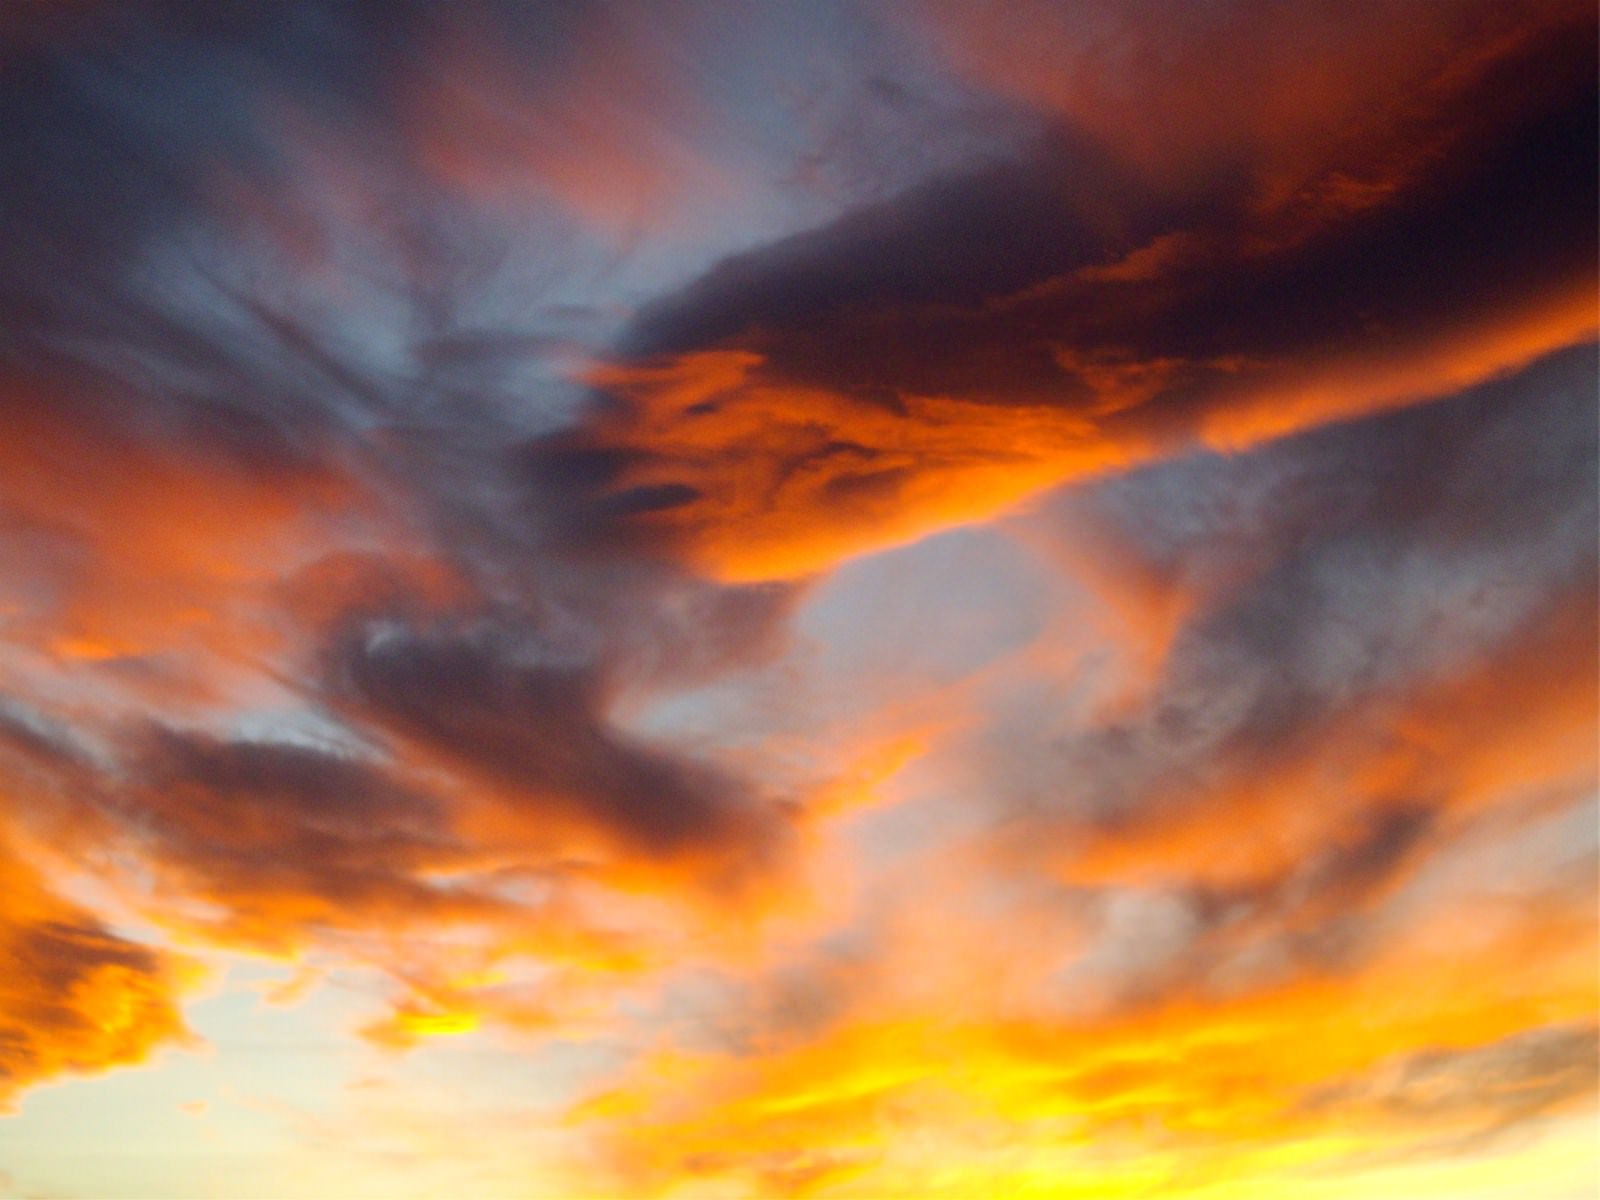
603 601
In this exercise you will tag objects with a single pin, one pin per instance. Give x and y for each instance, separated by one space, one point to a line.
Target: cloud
937 357
940 1070
124 566
36 736
282 840
1055 204
433 440
1379 667
1143 80
1354 588
1464 1098
252 422
1361 773
530 721
606 123
77 997
321 851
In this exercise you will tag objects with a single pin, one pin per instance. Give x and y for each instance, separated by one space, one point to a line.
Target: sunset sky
866 600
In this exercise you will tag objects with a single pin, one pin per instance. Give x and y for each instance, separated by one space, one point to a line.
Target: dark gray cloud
906 296
529 718
226 253
286 838
954 241
186 269
37 735
308 786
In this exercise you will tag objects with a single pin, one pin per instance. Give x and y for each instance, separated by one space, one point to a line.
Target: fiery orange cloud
819 477
766 432
1354 385
76 997
931 1106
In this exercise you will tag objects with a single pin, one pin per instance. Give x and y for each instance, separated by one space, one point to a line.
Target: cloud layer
916 600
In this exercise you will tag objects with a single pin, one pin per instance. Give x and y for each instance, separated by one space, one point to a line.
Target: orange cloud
139 550
944 1075
821 478
770 482
76 997
1314 932
853 388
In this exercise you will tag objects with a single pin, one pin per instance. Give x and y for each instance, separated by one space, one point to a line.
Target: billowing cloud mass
802 600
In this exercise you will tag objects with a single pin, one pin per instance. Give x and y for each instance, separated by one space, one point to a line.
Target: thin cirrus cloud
805 601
